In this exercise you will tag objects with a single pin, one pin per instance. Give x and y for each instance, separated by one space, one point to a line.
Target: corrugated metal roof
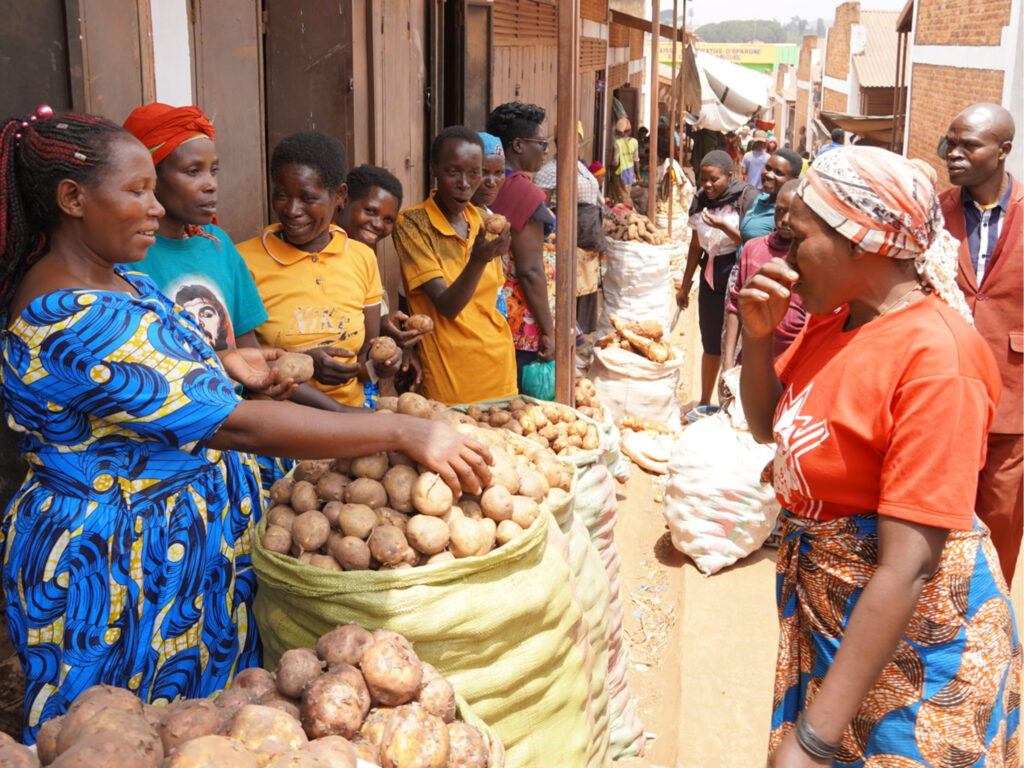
876 66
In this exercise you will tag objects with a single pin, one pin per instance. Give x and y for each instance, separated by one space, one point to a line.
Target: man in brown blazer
985 212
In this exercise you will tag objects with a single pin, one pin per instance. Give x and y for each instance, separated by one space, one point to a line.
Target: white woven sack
628 383
636 284
717 508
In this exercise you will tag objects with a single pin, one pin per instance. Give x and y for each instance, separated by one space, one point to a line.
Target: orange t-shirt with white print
891 417
315 299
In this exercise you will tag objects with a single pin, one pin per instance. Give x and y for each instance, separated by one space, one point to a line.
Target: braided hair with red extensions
35 156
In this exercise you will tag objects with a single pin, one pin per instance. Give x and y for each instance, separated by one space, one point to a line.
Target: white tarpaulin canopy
729 94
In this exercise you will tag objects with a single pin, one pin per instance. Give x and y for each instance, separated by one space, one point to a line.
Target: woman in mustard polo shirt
452 273
321 288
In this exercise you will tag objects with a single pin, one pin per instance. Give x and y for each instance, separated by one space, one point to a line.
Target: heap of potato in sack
644 338
384 512
357 694
629 225
586 399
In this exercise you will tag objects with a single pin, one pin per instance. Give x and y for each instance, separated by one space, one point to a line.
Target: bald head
978 142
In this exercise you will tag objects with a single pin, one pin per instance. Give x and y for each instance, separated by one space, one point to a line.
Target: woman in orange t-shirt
898 645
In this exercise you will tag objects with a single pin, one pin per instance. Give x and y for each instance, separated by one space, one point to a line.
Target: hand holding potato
328 368
485 249
386 356
459 460
249 367
395 325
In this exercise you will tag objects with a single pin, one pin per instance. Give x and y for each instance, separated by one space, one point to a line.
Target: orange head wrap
163 128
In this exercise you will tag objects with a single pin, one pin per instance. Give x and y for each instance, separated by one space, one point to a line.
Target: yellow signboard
741 53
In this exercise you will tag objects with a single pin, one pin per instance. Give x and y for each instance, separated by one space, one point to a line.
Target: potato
440 557
218 751
388 404
373 726
549 433
436 694
331 487
524 511
533 484
46 739
296 669
303 557
413 738
365 490
591 440
430 494
504 473
397 458
421 323
508 530
267 732
389 516
104 749
331 510
387 544
551 470
499 418
398 483
342 466
357 520
281 490
336 749
496 503
312 470
334 705
351 553
325 563
281 703
413 404
281 515
468 748
399 566
429 535
277 539
344 644
392 671
468 538
382 349
293 365
113 723
310 530
373 466
304 497
474 412
89 703
195 718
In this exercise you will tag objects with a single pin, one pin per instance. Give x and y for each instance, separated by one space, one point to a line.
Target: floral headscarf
884 204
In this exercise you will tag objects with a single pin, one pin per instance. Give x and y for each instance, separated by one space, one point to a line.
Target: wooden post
671 120
565 234
652 137
682 93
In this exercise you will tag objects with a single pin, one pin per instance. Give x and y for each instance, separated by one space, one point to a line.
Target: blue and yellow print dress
126 552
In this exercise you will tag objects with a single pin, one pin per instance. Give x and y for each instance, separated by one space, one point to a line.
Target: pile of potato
358 694
633 424
629 225
550 425
586 399
643 338
383 512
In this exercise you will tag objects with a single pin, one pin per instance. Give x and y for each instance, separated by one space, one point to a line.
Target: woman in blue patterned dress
126 552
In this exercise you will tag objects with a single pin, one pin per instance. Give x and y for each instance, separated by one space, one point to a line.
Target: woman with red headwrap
897 641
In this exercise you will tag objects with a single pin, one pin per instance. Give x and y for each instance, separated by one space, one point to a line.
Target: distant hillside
756 30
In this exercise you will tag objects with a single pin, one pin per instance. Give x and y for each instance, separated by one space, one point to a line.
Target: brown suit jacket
998 303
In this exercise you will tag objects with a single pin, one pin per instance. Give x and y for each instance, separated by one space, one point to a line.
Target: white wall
172 56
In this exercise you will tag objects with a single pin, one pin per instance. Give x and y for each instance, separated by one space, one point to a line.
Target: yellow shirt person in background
321 289
453 276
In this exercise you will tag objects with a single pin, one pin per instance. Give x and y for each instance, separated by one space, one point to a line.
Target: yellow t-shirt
314 299
470 358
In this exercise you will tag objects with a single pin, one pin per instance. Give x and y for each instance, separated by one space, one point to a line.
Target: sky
708 11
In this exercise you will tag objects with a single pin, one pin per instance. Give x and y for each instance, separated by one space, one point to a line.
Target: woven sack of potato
628 383
505 628
596 506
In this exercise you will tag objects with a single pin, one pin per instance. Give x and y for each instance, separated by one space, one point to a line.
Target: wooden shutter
525 22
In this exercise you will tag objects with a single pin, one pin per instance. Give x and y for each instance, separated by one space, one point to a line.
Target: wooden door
34 58
308 69
476 68
227 82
